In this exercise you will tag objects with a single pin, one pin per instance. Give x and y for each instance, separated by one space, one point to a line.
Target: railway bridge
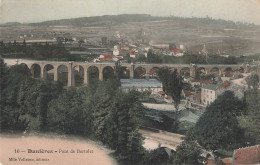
84 71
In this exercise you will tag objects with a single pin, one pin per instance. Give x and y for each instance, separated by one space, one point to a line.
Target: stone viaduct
42 69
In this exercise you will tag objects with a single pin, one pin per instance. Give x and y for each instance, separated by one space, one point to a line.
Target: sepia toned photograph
129 82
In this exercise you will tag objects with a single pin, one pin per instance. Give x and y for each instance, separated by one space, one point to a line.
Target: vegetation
218 127
100 111
188 152
190 58
253 81
227 124
172 83
35 51
157 157
251 119
60 53
152 58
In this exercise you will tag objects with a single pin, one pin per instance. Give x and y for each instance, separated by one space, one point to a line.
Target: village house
175 52
210 92
107 58
187 94
168 99
132 54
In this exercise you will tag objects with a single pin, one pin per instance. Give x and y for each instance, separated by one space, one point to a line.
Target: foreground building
242 156
247 155
141 85
210 92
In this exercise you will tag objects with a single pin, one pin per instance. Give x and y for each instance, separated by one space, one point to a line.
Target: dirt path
241 81
52 151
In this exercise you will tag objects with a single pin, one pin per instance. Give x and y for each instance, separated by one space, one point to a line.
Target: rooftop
210 162
247 155
227 161
198 95
161 92
176 50
106 57
187 93
210 86
202 80
168 97
139 83
225 84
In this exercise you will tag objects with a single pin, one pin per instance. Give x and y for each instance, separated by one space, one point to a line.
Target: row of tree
34 51
189 58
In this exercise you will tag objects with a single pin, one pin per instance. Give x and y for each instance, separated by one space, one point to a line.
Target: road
161 107
241 81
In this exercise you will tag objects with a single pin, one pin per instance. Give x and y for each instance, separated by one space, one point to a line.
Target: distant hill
106 20
11 24
125 18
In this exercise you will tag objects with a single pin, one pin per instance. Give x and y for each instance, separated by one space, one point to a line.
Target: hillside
106 20
233 38
126 18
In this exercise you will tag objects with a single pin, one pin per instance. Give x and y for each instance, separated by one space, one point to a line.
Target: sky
25 11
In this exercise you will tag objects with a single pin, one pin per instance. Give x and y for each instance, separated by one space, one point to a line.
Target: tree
188 152
116 120
250 121
60 40
33 98
81 41
175 87
157 157
3 69
153 58
218 127
102 101
69 114
129 146
163 74
172 83
66 40
253 81
9 108
24 43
